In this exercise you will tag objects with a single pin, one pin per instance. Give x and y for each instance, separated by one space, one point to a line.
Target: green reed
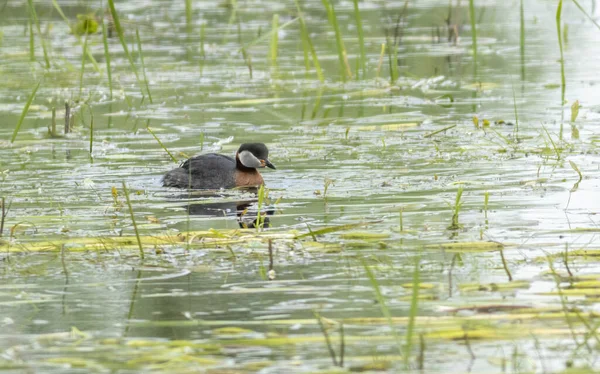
516 132
139 43
455 225
327 339
115 16
522 40
24 112
3 214
52 129
107 58
382 305
188 15
82 70
473 34
245 54
557 151
31 43
36 22
586 13
91 131
308 46
274 40
361 41
261 199
392 51
413 311
159 142
342 55
135 228
560 47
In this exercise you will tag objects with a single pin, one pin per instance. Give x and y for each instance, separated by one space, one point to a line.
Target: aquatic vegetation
350 258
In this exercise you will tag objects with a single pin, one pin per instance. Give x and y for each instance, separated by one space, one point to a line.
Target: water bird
216 171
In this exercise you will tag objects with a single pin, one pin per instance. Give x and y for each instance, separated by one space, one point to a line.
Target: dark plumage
215 171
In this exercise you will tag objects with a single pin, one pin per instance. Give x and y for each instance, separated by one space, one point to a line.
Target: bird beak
269 164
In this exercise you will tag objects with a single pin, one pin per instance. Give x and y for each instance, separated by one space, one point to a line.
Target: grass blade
586 14
560 46
137 234
115 16
91 132
361 40
342 55
274 40
24 113
139 43
381 301
107 58
522 42
473 34
188 15
39 30
82 65
159 142
308 45
31 43
412 314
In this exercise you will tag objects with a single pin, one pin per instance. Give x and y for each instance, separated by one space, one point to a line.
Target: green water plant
516 132
575 110
274 40
90 56
576 168
82 70
455 225
557 150
308 46
139 43
107 59
86 24
413 311
522 40
135 228
3 214
392 50
560 47
362 61
345 70
36 22
473 35
586 13
160 143
328 343
24 112
260 220
52 128
121 35
91 131
31 42
382 305
188 15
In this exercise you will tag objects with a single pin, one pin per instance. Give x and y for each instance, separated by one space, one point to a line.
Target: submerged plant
455 225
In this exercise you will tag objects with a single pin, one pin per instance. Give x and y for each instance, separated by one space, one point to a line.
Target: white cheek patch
249 160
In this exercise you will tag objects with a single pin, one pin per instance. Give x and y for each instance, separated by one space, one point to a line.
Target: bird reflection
245 210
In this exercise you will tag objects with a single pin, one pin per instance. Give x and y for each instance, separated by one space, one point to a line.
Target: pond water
365 254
